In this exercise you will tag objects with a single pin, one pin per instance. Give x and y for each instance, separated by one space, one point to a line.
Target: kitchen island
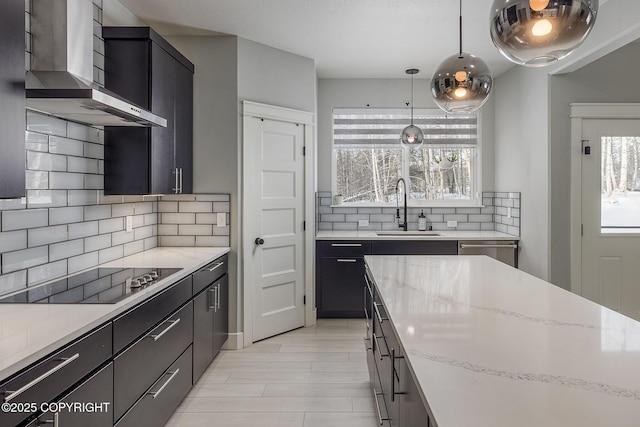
489 345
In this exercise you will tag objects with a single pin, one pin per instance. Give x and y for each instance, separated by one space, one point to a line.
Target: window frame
476 190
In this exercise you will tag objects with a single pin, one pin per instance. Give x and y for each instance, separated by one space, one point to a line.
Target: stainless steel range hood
60 82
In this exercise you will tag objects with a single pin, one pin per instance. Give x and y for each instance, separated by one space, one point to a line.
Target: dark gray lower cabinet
340 269
96 393
398 402
159 401
141 364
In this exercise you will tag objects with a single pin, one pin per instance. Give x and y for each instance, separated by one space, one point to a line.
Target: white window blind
353 128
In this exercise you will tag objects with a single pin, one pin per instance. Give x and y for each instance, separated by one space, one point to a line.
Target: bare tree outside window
620 185
369 158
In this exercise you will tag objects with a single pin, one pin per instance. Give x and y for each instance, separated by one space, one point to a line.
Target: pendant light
462 82
536 33
412 136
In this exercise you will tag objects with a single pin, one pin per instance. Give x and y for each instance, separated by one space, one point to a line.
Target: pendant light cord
460 28
411 99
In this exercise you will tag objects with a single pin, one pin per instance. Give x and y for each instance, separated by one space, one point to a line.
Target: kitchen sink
407 233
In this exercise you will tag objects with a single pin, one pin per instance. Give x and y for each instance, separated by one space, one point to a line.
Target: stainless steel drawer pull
173 323
375 308
466 245
347 260
9 395
217 303
375 397
346 245
367 341
55 421
155 394
215 266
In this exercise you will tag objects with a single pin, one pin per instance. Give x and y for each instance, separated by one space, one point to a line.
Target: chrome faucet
404 224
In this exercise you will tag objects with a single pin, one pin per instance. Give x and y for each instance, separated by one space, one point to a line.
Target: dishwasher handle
467 245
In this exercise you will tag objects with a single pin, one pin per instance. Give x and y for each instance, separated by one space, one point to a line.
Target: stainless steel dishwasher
502 250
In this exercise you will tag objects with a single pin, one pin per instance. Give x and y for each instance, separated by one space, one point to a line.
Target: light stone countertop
490 345
411 235
29 332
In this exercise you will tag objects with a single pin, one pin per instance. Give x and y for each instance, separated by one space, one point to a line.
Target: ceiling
346 38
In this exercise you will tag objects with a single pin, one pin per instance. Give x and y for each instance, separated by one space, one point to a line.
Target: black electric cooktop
95 286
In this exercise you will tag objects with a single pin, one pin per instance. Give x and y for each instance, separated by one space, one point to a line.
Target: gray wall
228 71
521 158
596 82
389 93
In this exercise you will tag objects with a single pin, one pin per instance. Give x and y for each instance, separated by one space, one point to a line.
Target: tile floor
310 377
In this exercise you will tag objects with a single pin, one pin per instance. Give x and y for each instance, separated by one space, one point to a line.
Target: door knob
259 241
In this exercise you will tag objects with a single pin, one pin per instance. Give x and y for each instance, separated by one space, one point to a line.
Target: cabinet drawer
163 397
344 248
210 273
55 374
97 390
143 317
140 365
415 247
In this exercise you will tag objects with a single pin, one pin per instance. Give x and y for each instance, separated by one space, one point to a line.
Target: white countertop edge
443 235
189 259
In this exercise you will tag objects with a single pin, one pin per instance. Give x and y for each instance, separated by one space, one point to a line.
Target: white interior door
274 216
611 214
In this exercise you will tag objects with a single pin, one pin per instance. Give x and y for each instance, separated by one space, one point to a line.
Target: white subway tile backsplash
70 147
46 124
143 208
13 282
195 230
13 240
164 206
82 262
177 218
83 229
221 231
206 218
121 237
45 161
12 204
143 232
109 254
93 182
138 220
95 243
133 247
66 215
221 207
82 197
46 235
110 225
21 260
82 165
82 132
123 209
168 229
49 271
36 180
66 181
16 220
176 240
36 141
212 241
97 212
46 198
213 197
66 249
196 206
150 219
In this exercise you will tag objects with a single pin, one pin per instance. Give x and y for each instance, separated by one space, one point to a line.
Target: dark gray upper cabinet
12 99
144 68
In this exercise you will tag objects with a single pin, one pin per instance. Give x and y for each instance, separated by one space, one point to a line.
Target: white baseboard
234 342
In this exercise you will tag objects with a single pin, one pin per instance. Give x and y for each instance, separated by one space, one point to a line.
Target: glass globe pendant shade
412 137
461 83
536 33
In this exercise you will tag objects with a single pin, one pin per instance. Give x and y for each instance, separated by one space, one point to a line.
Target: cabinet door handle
155 394
346 245
180 180
375 308
215 266
172 324
217 296
375 338
209 291
347 260
10 395
176 188
366 342
375 397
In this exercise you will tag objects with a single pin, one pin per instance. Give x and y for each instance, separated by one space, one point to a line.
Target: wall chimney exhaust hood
60 82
